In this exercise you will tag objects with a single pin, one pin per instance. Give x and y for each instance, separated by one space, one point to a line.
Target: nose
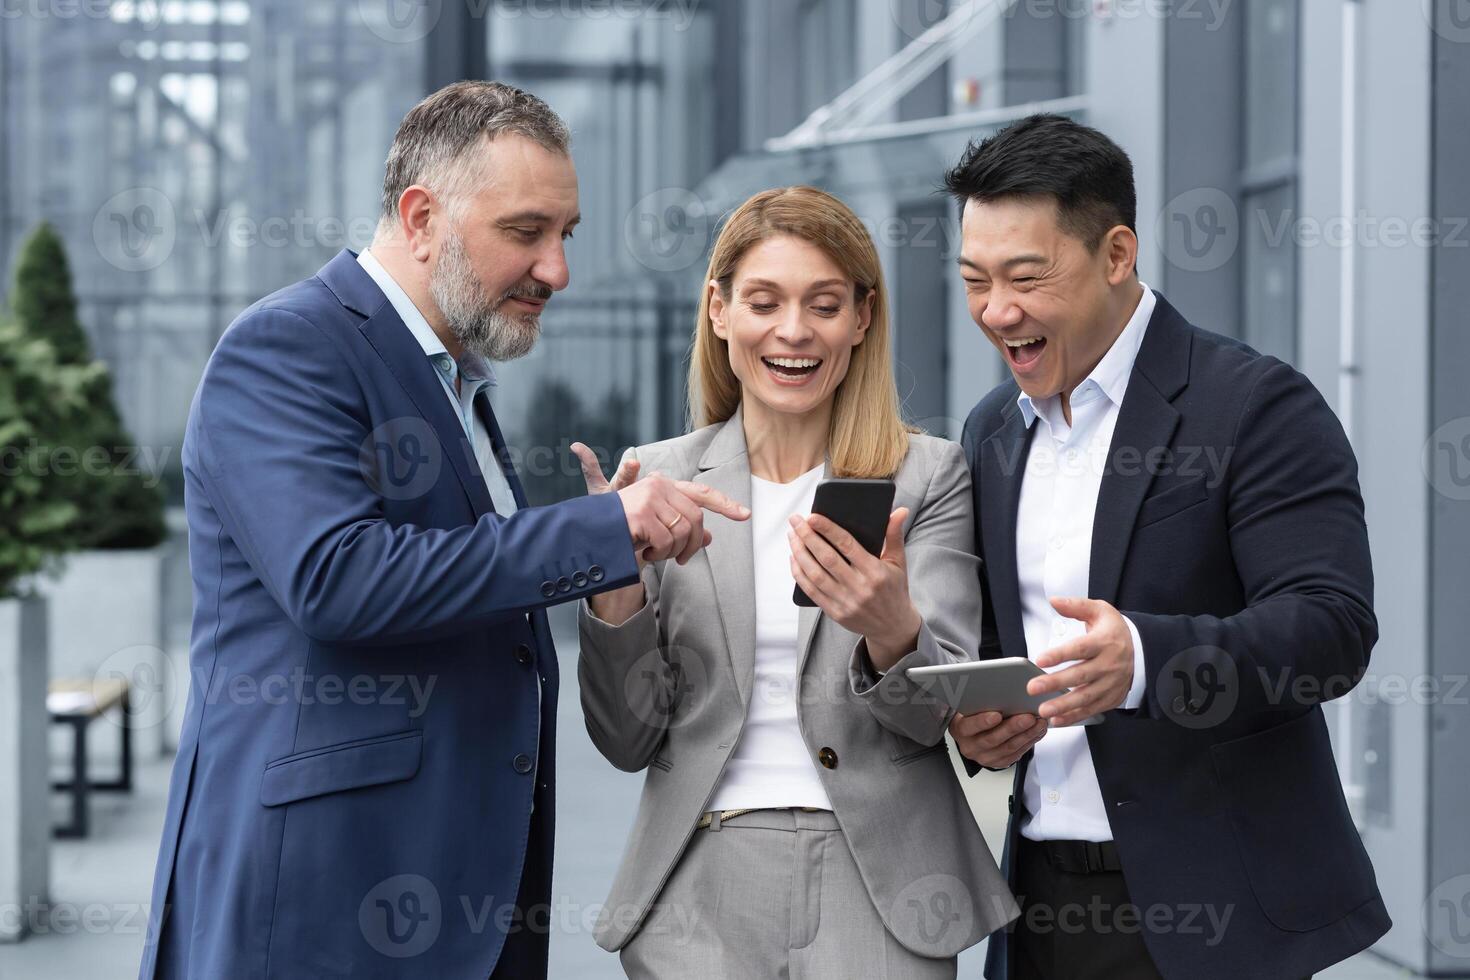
551 267
1000 310
793 329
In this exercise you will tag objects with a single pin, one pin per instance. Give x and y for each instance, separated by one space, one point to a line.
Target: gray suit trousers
772 893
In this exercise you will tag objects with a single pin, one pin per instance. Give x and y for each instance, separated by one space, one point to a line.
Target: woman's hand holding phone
863 593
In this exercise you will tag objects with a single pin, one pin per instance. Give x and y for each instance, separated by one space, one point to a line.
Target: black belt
1078 857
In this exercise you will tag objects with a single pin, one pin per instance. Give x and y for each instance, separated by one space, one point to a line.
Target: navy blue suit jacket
364 738
1229 528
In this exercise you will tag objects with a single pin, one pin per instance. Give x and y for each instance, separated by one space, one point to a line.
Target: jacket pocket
1171 501
1301 852
346 765
914 755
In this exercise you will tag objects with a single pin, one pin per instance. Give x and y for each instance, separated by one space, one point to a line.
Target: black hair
1048 156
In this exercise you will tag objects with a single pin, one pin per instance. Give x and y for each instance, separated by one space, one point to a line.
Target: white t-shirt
771 765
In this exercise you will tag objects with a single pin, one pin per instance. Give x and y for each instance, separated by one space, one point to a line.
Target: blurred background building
1303 185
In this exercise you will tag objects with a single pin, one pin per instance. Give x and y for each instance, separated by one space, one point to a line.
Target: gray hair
434 142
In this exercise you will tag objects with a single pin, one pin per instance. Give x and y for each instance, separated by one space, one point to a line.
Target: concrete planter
25 818
106 619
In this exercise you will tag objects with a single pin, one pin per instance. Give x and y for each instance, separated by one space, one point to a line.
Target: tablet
984 685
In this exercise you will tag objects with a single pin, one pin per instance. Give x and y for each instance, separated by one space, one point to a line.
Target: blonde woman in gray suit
800 816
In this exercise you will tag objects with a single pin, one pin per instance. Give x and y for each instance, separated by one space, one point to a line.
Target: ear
1120 249
717 310
865 316
417 208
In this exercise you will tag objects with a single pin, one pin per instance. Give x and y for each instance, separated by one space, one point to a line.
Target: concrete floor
100 886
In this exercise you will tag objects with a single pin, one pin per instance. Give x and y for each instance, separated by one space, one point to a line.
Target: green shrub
39 397
119 504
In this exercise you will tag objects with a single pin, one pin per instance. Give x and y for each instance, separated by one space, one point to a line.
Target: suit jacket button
522 763
827 758
523 653
548 589
579 580
595 573
563 584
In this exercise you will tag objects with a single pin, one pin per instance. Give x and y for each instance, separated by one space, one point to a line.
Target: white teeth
794 362
1022 342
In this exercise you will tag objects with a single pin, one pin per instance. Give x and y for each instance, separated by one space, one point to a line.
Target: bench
78 703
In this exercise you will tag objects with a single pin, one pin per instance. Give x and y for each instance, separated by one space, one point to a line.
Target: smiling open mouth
792 370
1024 351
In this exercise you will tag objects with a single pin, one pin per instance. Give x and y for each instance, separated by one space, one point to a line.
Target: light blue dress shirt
474 374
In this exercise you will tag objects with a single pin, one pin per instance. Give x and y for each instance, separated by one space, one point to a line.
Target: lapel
502 452
808 617
725 466
1002 467
390 337
1146 424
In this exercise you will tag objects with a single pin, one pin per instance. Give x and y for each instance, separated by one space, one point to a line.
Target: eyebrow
1007 264
819 284
536 217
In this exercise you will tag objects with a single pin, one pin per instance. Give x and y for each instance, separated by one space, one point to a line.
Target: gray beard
474 319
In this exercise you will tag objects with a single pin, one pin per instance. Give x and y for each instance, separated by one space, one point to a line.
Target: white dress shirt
1054 558
771 765
474 374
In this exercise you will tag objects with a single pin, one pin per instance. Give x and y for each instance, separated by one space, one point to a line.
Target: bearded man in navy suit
365 779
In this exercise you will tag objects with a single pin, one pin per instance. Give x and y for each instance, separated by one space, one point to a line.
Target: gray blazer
668 689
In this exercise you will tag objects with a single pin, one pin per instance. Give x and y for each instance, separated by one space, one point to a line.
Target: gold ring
676 520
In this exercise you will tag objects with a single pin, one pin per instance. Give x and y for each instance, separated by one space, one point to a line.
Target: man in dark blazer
1171 527
364 783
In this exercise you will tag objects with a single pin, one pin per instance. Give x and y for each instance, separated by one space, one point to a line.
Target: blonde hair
868 438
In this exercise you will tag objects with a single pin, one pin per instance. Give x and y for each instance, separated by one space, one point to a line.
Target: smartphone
859 507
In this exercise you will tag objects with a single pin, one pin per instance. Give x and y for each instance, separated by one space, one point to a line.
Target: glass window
828 42
1270 81
1269 180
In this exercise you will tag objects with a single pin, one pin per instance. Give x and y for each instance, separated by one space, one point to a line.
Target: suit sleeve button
827 758
548 589
596 574
563 584
579 579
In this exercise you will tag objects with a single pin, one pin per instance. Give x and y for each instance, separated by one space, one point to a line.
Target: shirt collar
1110 376
471 366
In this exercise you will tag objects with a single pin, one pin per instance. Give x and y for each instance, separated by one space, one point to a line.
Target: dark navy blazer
1229 528
364 737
